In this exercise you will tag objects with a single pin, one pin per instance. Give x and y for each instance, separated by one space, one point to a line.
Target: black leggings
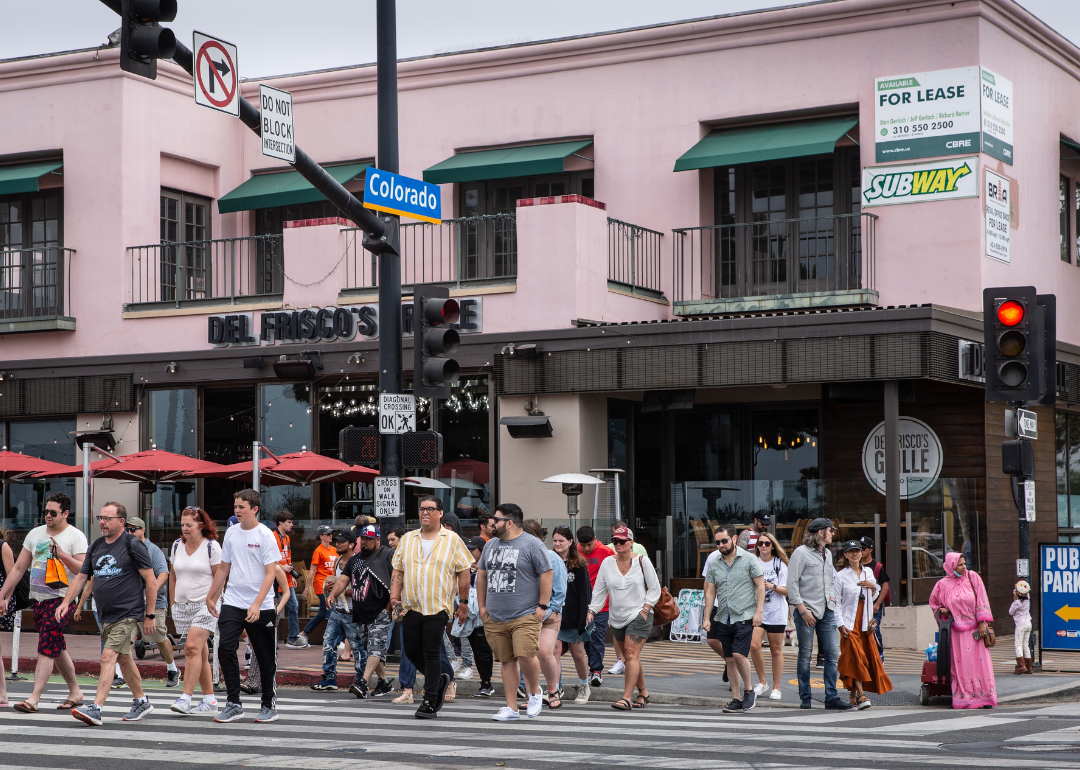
421 640
262 635
481 654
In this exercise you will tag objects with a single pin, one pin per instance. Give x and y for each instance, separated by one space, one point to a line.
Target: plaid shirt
430 584
736 593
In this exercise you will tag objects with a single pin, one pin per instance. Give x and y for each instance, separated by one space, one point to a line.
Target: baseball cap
819 524
852 545
763 517
369 530
867 543
345 536
136 523
475 543
325 530
622 533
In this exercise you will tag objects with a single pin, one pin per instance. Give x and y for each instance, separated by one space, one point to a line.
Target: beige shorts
117 636
517 638
161 632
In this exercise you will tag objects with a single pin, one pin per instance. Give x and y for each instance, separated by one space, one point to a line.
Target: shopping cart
936 677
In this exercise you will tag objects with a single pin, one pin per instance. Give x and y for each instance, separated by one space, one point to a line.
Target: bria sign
328 324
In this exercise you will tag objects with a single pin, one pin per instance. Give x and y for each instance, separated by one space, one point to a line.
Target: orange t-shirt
323 561
285 546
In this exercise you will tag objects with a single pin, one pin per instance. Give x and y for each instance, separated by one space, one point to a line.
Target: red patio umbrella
472 470
149 467
15 466
301 468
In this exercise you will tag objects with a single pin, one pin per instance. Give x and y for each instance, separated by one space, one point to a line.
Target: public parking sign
1059 581
217 82
402 195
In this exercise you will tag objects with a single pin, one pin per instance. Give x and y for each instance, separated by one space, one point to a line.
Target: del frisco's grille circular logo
920 457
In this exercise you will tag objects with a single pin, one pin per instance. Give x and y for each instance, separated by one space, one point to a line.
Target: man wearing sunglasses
160 637
54 539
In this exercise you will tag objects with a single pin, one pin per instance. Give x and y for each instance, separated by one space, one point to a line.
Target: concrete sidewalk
689 674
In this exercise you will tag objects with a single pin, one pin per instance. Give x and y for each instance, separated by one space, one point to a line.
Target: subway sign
326 324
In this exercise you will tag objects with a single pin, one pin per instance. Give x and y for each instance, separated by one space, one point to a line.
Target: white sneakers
775 695
760 687
465 673
583 693
536 702
506 714
618 668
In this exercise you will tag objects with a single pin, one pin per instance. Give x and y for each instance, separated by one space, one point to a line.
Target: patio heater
612 503
573 484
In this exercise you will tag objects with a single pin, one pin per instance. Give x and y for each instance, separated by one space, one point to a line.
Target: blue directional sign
1060 584
402 195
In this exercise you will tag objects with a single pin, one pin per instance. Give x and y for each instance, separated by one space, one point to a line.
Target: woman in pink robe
962 595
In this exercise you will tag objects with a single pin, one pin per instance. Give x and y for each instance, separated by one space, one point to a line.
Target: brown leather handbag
666 610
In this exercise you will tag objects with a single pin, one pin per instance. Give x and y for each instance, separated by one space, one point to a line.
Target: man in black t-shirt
370 601
882 578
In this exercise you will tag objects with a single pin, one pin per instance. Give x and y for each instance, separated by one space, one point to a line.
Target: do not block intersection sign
217 82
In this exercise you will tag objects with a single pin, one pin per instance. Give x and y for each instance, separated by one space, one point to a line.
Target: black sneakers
485 691
735 707
359 689
749 700
426 710
837 705
444 682
383 687
595 679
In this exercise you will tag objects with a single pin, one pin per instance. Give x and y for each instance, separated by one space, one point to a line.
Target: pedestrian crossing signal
359 446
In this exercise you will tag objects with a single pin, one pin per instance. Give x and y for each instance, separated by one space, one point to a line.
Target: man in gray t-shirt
137 527
513 587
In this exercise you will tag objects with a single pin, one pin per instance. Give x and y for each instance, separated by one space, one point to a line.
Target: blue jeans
315 621
597 643
877 632
340 627
829 641
292 610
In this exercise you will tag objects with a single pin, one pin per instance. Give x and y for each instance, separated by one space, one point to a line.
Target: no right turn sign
217 82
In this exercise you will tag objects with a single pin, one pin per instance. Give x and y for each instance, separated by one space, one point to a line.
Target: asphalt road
334 731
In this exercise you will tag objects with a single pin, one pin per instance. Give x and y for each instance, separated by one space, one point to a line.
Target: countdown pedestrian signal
1019 331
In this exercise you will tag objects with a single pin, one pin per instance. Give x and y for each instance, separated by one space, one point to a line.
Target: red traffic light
1010 313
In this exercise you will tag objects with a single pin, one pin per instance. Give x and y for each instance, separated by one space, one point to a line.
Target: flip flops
70 704
26 708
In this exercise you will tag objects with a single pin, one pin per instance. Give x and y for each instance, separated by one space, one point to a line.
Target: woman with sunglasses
574 632
859 666
630 583
774 562
194 561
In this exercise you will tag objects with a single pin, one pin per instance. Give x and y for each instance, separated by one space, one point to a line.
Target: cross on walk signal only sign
217 82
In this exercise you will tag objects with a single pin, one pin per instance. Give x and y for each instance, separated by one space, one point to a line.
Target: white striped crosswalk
339 733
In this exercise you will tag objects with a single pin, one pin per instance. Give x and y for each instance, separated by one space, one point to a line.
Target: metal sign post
16 631
86 488
256 455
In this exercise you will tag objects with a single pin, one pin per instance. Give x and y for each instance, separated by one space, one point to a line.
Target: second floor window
31 258
185 255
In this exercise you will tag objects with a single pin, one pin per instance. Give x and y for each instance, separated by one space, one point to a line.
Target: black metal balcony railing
774 257
225 268
457 251
35 283
634 255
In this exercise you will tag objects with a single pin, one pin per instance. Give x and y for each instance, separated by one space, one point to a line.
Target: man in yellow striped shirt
429 564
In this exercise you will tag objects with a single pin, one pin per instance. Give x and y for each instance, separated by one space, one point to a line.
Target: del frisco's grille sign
326 324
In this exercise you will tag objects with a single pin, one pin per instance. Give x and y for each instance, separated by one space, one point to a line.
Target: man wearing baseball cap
322 566
810 592
749 536
339 624
370 572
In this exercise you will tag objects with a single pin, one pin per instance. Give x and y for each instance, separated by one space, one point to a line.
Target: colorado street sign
217 82
401 195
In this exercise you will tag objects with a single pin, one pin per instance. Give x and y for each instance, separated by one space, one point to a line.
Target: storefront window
285 427
353 404
172 416
229 428
1068 469
785 461
49 440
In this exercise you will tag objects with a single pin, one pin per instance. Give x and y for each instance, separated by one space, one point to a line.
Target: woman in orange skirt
860 666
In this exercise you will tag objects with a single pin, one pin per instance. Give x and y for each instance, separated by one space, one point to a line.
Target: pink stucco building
675 215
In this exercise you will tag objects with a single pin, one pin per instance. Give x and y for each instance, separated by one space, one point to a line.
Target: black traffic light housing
422 449
1019 330
434 340
359 446
142 39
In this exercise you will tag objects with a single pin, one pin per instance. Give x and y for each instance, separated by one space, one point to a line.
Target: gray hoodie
810 580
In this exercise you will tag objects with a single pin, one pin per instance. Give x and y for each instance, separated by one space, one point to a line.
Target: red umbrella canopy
296 468
467 468
15 466
151 466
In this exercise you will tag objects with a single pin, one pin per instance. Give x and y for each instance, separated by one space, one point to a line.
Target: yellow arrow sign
1068 613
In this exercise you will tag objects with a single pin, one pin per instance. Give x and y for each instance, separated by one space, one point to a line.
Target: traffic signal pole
390 370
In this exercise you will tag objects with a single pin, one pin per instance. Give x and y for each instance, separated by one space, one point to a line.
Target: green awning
1070 144
504 163
760 143
24 178
283 188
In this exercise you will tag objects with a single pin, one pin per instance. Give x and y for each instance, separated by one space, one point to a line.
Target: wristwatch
462 601
542 606
149 616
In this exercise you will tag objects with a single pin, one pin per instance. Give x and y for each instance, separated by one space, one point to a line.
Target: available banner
916 183
930 114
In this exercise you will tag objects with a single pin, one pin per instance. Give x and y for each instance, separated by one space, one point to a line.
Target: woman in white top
859 666
629 583
774 563
195 559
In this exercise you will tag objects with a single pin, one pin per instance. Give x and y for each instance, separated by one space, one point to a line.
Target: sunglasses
723 541
497 519
764 544
52 513
132 529
619 542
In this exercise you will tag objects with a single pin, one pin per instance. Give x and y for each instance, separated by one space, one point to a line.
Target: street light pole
390 373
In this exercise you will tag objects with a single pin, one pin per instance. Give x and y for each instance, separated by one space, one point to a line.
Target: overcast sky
277 37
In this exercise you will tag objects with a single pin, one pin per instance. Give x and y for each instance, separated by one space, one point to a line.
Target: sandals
554 701
641 701
70 704
26 708
622 704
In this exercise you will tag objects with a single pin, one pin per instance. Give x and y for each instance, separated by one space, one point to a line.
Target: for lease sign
997 116
927 114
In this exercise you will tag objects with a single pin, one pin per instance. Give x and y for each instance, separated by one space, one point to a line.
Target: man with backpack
125 591
160 637
64 546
